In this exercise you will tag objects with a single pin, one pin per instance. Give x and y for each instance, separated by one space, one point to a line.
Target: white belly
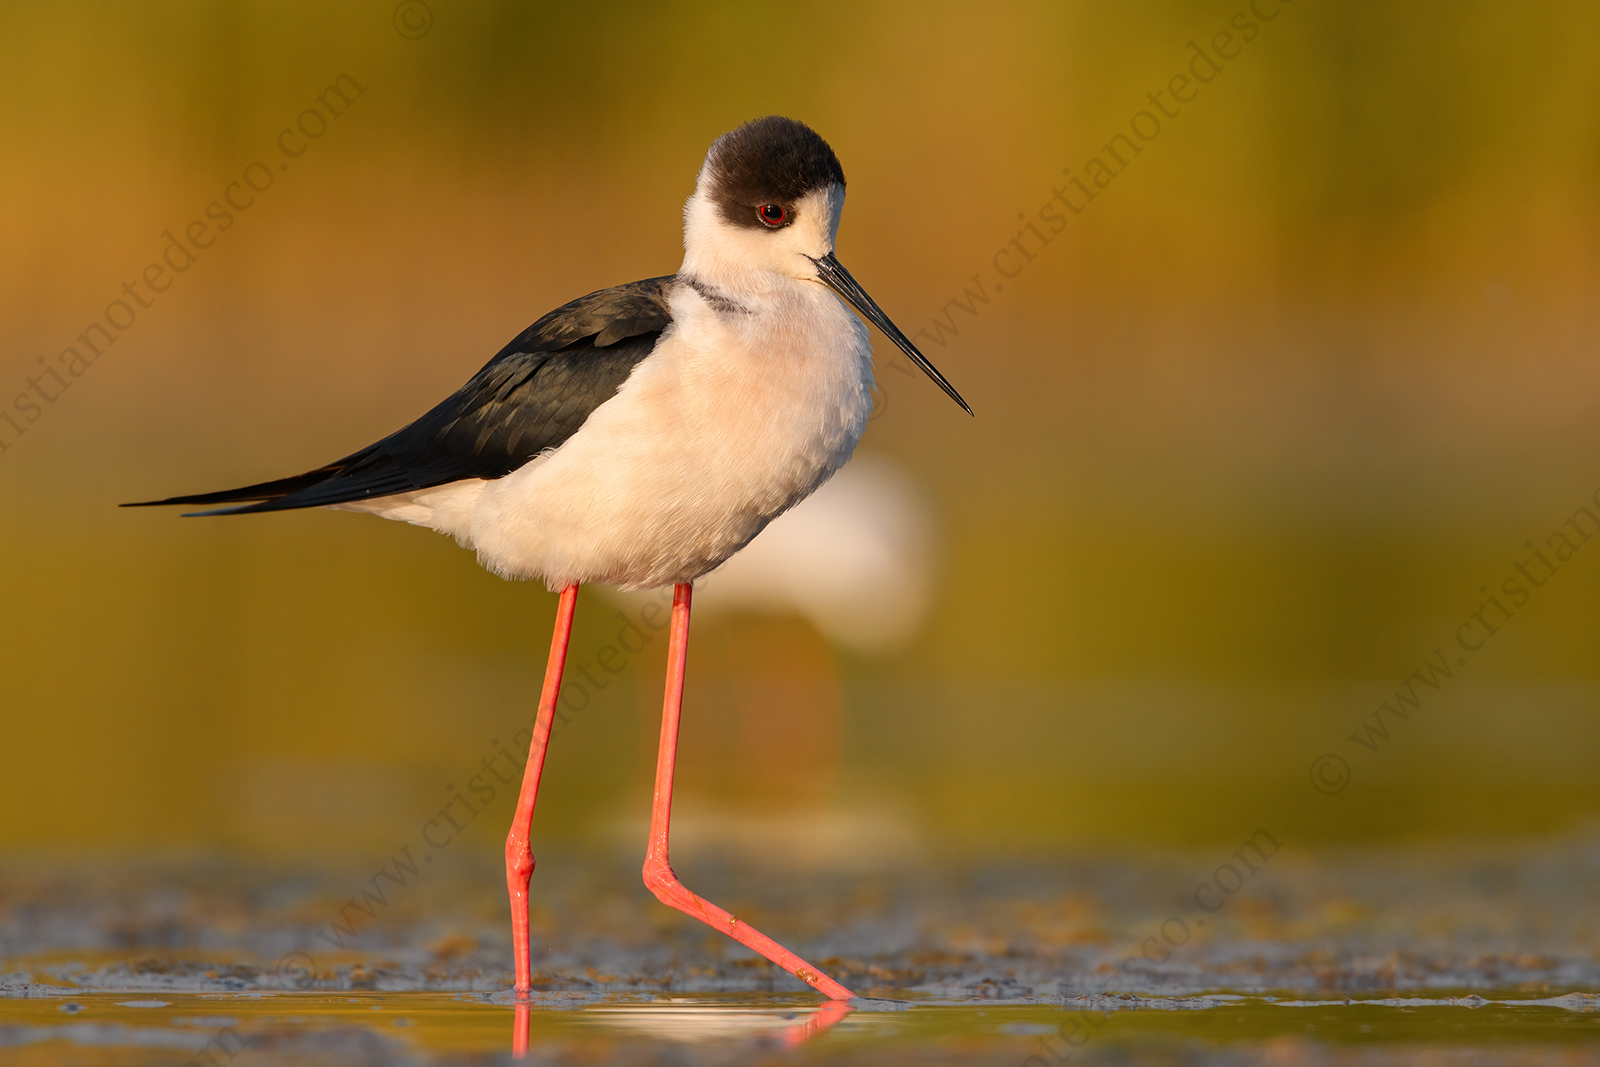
733 419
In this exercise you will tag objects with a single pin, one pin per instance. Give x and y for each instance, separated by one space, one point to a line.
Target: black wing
530 397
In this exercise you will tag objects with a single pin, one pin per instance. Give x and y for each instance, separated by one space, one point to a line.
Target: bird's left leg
519 854
658 874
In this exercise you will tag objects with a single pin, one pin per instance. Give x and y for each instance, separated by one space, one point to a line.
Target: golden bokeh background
1253 430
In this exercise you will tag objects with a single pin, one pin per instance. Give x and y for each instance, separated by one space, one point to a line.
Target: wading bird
640 436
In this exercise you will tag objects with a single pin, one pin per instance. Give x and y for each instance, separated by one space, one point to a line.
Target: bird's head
768 201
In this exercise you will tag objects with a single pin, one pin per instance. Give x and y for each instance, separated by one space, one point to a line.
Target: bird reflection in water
698 1022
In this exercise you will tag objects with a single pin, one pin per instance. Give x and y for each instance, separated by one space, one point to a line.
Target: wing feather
533 395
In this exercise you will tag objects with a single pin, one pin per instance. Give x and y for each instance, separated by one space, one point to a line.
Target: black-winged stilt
640 436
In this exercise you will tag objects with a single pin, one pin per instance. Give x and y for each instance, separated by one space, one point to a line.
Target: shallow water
1482 954
75 1027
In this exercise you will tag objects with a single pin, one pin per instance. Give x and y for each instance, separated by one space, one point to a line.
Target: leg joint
519 857
660 879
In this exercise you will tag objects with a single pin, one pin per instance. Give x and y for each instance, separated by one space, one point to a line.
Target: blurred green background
1252 431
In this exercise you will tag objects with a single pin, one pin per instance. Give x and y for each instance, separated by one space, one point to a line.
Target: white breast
733 418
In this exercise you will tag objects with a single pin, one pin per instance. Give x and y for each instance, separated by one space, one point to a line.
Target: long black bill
833 274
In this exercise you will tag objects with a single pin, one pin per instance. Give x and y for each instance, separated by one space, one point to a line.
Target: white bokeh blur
855 558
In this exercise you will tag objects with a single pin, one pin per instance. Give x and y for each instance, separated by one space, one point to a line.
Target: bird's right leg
519 854
658 873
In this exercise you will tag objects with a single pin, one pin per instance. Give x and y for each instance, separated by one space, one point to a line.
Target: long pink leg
519 854
658 873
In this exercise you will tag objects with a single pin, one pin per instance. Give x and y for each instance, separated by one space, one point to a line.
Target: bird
640 436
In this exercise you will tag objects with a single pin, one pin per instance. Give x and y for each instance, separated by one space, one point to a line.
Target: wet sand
1462 954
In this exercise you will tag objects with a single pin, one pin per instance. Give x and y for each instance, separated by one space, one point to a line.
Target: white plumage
753 397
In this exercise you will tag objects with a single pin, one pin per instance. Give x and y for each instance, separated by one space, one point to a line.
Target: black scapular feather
532 396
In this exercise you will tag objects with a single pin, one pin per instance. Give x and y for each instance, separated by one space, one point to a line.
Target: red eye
772 214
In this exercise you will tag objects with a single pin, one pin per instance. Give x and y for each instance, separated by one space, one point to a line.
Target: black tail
372 472
262 492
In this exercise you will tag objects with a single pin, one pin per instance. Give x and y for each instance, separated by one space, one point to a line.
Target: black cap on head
768 161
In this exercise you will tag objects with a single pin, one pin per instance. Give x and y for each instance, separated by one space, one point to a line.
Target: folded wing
528 399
